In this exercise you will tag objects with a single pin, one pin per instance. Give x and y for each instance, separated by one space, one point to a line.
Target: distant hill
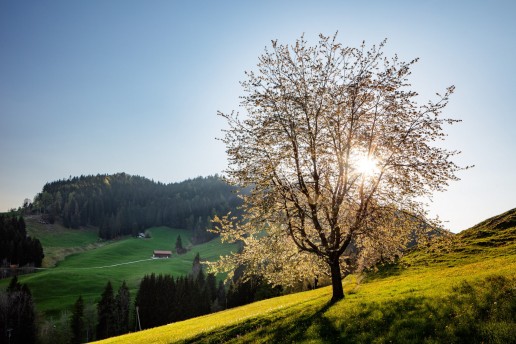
121 204
496 231
490 238
492 225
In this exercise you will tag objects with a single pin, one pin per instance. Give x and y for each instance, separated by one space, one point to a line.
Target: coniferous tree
17 314
77 322
90 321
221 296
161 299
106 313
14 285
179 245
211 283
202 300
122 304
125 204
145 301
15 246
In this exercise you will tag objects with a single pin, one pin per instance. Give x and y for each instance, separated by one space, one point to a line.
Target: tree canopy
15 246
341 159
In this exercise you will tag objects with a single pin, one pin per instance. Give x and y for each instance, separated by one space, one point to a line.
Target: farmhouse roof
162 252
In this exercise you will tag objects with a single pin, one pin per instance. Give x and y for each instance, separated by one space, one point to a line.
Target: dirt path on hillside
98 267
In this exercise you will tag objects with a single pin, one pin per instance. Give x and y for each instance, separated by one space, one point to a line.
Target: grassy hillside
58 241
87 272
461 292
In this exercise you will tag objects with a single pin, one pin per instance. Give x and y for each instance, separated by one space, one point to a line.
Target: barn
162 254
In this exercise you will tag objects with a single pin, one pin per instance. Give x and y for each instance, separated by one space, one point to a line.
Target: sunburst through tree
339 157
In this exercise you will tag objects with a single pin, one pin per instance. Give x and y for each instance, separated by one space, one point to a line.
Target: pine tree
145 301
122 303
106 310
221 295
211 283
17 313
77 321
14 285
179 245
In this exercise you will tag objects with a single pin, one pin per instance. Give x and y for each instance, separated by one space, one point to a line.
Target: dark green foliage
243 291
179 245
162 299
251 290
121 204
15 246
113 312
77 322
14 285
106 326
17 314
211 285
219 299
122 305
156 300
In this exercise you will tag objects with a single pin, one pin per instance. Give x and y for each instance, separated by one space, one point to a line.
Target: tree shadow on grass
384 271
317 323
401 321
273 328
469 313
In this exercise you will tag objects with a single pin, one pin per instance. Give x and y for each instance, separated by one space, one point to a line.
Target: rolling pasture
91 264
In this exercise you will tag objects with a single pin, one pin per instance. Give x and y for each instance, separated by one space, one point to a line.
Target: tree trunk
336 281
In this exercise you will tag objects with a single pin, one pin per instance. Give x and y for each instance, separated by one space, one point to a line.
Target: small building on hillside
162 254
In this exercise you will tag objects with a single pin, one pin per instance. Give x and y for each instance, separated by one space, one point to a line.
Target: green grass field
59 242
465 293
90 264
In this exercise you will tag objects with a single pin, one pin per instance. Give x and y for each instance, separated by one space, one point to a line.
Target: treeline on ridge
122 204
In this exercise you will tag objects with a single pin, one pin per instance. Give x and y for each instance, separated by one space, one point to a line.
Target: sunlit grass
431 297
307 317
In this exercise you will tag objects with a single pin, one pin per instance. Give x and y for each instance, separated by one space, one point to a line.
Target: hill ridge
502 221
494 231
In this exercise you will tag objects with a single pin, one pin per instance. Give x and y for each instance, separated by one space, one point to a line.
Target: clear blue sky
91 87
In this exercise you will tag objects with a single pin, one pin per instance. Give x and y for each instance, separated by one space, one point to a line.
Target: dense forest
17 314
16 248
121 204
164 299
